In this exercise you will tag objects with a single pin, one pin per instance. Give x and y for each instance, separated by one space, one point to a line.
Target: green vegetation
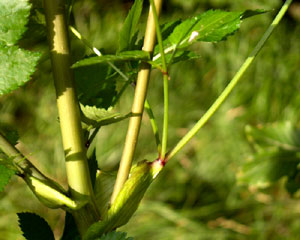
237 178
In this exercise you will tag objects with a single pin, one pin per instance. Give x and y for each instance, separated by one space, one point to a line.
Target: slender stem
232 83
154 125
68 109
165 79
97 52
43 187
23 165
126 78
166 118
137 106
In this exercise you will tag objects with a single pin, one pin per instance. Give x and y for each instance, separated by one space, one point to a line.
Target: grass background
197 196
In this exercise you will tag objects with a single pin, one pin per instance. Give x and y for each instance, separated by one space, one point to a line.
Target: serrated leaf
123 56
283 136
210 26
93 86
129 29
13 18
16 65
268 167
96 117
115 236
5 174
34 227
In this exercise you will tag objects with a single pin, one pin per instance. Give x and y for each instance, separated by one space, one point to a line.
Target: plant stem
97 52
215 106
154 125
68 109
23 165
37 181
137 106
126 78
165 79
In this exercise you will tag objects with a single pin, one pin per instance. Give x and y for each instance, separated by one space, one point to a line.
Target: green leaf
251 13
283 136
268 167
93 86
166 29
211 26
5 174
115 236
96 117
34 227
16 65
13 18
129 28
123 56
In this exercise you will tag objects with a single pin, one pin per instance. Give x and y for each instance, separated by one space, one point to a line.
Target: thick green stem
216 105
137 106
69 116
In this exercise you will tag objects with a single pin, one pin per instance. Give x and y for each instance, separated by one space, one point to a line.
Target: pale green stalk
232 83
69 116
137 106
126 78
165 79
48 191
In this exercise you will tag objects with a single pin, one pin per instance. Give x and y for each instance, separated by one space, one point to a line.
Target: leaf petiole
223 96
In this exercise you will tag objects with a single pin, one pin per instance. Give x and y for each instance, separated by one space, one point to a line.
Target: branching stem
126 78
216 105
137 106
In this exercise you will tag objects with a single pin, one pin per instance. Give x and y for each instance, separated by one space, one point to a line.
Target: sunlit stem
78 175
231 85
43 187
137 106
126 78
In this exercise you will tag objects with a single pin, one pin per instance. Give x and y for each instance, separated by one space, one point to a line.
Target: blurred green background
197 195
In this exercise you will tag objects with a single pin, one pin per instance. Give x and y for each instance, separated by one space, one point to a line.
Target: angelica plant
86 96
